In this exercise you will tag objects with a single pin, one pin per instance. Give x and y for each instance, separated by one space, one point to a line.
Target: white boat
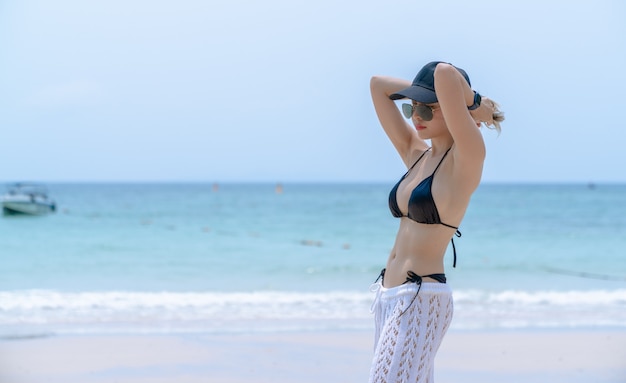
30 199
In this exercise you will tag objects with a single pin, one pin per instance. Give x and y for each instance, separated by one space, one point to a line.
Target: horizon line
297 182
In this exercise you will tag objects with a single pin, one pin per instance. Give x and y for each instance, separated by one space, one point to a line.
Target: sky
278 90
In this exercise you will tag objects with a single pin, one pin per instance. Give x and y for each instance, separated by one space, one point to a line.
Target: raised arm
455 95
402 136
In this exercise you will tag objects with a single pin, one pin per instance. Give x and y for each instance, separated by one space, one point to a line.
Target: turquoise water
186 257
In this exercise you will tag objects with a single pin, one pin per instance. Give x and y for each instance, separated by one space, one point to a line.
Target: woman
413 304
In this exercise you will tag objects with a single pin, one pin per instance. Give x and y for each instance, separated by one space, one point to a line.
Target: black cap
422 88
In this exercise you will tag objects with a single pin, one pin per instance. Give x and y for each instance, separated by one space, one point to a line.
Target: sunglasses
424 111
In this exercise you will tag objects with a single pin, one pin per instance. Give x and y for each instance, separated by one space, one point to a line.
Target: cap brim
416 93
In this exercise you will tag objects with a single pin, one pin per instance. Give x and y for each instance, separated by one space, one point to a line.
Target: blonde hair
496 118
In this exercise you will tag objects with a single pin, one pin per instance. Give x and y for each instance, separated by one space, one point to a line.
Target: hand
484 113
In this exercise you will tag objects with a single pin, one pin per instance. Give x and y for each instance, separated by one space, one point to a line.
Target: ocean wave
558 298
211 310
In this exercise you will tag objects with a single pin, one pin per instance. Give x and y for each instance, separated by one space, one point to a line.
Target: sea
170 258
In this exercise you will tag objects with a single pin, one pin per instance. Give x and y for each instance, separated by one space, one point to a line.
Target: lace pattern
409 330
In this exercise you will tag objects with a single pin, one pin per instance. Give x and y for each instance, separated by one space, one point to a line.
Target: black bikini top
422 207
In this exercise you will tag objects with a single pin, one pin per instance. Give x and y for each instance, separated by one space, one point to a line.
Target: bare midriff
419 248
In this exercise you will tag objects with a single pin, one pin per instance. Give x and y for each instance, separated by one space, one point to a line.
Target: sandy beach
501 356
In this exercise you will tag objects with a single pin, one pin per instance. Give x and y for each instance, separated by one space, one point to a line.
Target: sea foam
208 311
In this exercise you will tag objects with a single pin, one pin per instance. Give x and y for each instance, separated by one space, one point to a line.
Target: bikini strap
454 227
442 158
441 278
458 234
381 276
415 163
411 277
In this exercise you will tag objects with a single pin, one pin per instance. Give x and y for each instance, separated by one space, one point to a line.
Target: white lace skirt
409 330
